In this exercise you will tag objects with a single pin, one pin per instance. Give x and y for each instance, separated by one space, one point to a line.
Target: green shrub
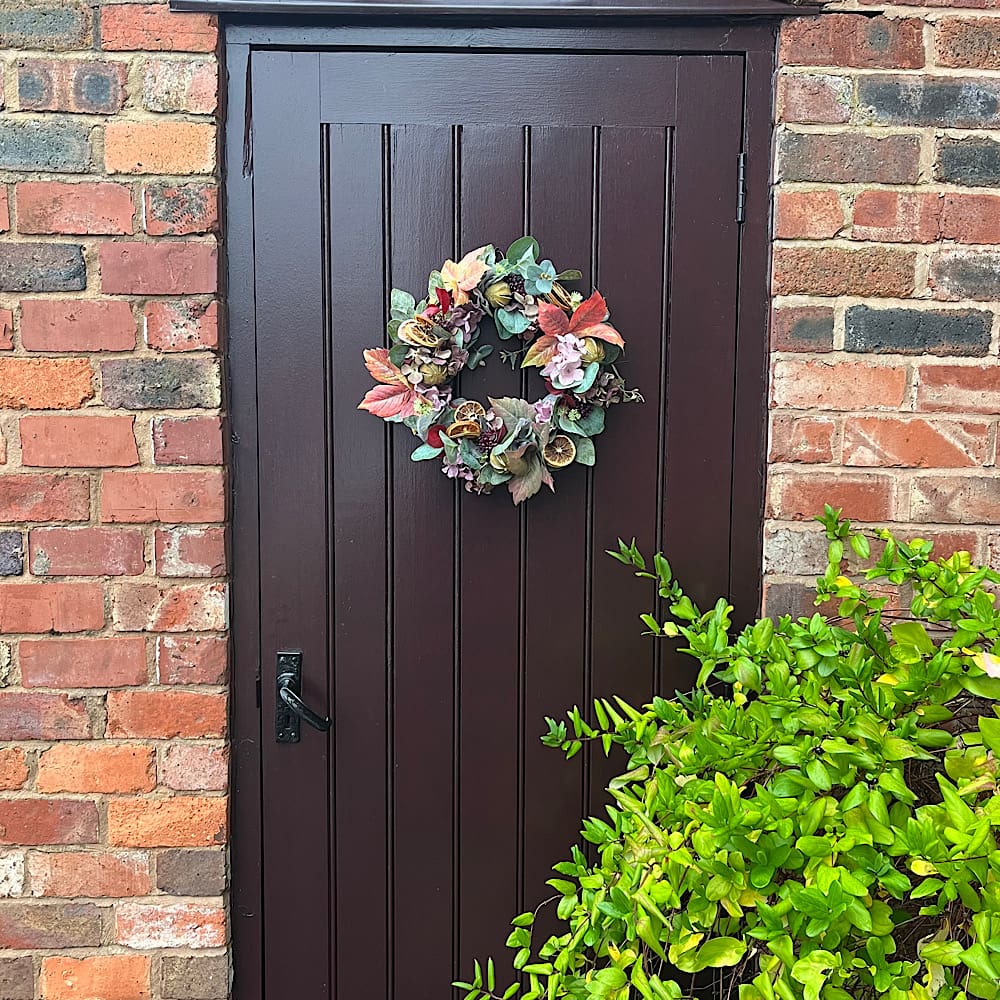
817 819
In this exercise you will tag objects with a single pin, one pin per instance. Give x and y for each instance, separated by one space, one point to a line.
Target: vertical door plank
362 563
560 213
703 314
422 217
631 257
292 404
492 211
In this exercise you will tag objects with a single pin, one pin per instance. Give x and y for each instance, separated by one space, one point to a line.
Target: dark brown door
437 628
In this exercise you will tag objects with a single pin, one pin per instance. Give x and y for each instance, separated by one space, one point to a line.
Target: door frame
752 37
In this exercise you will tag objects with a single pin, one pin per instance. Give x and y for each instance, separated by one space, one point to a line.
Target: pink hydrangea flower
544 409
565 369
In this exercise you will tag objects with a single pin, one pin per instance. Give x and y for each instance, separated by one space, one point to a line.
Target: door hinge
741 188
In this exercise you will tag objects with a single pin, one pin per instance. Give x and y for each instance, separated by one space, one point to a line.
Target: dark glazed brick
802 328
974 162
191 978
191 873
43 26
966 274
42 267
789 598
947 103
155 384
86 87
31 925
63 147
963 333
11 557
16 979
847 158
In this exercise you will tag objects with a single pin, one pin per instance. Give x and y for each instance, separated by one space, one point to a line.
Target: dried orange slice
463 429
470 410
418 332
559 452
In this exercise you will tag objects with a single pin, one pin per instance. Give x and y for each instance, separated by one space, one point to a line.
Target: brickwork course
113 604
113 598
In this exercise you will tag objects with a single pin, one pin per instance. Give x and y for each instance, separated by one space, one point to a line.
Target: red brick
891 442
799 496
891 217
77 325
83 663
808 215
802 439
181 326
956 499
51 607
110 977
159 147
814 99
78 442
194 767
968 44
34 716
158 268
6 329
79 873
802 328
959 389
88 86
188 821
971 218
100 767
180 209
47 821
152 27
190 552
194 607
30 925
170 497
4 204
843 385
191 659
853 40
13 768
187 440
53 207
45 383
869 271
163 715
170 925
86 552
44 498
848 157
190 85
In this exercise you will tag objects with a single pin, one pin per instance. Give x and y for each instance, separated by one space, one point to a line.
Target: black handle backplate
290 709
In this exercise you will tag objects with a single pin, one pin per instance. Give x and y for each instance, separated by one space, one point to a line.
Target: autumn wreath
510 440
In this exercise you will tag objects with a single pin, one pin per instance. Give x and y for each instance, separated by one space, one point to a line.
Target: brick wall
885 376
113 600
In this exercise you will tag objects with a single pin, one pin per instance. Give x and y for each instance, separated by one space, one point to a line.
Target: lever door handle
289 706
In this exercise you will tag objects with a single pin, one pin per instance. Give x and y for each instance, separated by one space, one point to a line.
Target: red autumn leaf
587 321
387 401
382 369
444 299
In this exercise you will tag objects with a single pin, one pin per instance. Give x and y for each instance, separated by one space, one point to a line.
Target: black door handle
289 706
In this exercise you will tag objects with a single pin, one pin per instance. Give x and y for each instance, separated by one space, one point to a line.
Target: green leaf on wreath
572 274
401 304
479 355
588 377
521 248
584 450
511 324
424 452
397 354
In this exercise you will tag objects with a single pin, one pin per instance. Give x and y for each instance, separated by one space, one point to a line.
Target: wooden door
439 628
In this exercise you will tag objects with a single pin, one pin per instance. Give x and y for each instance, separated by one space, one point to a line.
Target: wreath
510 440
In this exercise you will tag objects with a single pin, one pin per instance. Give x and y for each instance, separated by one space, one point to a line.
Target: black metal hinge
741 188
